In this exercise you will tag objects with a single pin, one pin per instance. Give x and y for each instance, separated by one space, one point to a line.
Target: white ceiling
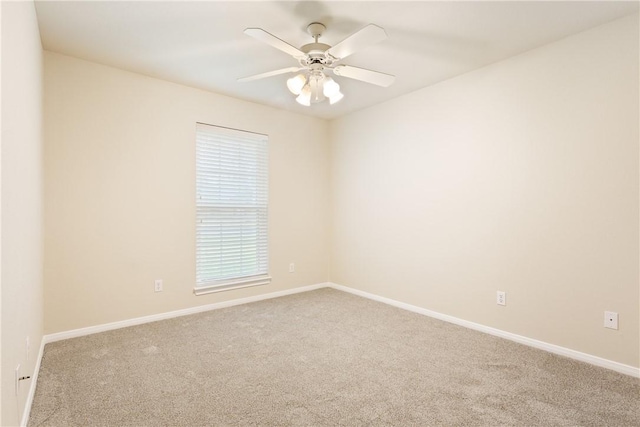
201 44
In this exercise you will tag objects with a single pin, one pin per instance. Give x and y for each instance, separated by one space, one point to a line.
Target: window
231 205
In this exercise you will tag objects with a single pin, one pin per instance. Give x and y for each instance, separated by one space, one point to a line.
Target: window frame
226 212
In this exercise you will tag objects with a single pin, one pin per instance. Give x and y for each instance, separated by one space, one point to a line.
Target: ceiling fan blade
269 74
265 37
364 75
367 36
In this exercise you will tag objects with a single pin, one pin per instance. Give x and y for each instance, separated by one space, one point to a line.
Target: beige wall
120 193
21 226
521 177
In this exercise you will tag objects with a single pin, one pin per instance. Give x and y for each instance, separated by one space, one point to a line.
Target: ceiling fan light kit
312 85
314 88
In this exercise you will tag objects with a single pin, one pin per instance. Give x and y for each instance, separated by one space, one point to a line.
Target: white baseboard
552 348
171 314
32 387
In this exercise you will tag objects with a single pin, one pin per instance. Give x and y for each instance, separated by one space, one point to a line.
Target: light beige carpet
320 358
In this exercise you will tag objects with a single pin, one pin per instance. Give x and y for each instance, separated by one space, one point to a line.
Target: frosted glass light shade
305 96
296 83
330 87
336 97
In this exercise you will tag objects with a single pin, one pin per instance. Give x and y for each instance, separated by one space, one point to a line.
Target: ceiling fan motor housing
316 60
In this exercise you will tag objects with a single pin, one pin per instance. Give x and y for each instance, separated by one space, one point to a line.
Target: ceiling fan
315 59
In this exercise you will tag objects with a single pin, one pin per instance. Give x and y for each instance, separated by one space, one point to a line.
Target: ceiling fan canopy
315 60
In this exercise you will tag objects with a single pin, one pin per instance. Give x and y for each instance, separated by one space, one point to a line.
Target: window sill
232 284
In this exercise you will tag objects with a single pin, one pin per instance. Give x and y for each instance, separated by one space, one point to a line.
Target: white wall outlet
17 379
611 320
292 268
501 298
28 348
158 285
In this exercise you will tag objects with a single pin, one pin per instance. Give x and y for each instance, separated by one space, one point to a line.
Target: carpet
320 358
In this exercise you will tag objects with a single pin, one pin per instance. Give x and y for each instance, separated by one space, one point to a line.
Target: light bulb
315 82
296 83
330 87
335 98
305 96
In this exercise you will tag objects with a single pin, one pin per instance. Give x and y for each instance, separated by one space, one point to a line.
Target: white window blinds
232 199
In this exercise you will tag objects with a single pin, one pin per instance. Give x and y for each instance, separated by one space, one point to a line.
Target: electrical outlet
611 320
501 298
292 268
17 379
158 285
